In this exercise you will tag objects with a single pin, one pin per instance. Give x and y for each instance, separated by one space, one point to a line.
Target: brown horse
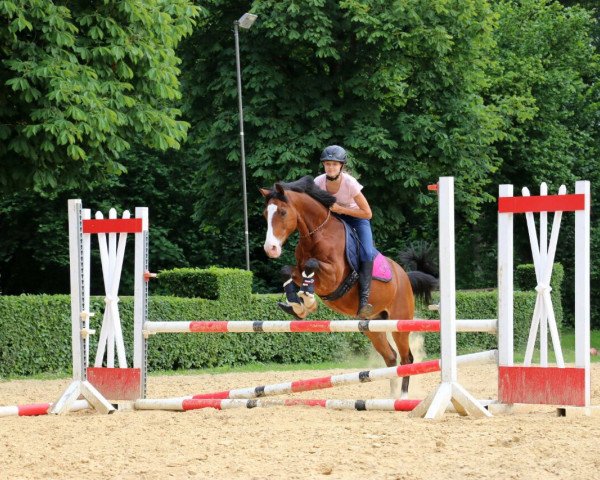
320 257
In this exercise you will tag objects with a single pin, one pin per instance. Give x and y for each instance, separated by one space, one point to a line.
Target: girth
344 287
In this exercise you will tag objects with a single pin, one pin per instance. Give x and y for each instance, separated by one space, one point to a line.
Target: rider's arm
363 211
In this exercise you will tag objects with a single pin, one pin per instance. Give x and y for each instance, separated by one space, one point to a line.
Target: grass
567 339
37 376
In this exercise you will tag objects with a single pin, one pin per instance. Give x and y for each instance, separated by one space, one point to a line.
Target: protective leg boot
307 289
293 304
365 274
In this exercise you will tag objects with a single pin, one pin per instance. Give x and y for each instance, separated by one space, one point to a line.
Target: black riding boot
365 274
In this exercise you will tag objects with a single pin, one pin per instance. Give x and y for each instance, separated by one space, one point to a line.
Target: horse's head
282 219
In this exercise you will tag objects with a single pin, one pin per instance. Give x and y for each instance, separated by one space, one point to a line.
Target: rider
352 207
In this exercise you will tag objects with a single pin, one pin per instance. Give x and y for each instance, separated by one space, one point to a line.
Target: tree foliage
548 69
34 254
81 82
544 81
399 85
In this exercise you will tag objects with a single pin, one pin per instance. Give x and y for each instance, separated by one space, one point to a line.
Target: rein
318 228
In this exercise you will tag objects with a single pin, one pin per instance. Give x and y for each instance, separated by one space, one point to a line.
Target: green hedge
36 334
525 277
213 283
480 304
36 329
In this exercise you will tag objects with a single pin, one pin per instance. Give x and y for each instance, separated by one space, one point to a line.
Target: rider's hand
336 208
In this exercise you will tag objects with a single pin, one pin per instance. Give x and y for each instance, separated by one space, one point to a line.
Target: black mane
306 185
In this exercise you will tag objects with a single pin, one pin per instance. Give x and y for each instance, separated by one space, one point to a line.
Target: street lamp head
246 20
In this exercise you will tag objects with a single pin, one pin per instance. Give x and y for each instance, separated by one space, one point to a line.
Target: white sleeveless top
349 189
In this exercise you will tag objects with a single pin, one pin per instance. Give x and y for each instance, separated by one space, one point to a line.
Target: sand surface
294 443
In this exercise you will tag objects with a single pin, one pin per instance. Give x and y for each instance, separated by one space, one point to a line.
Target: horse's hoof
287 308
366 311
309 301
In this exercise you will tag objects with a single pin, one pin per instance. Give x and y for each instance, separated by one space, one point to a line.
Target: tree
544 80
491 92
81 82
592 7
397 83
34 248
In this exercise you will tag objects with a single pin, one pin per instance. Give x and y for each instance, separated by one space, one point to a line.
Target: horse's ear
279 189
265 192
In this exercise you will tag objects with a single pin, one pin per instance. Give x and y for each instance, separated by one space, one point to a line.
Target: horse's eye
283 213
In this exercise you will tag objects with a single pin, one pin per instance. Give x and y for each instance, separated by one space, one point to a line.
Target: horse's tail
419 258
422 284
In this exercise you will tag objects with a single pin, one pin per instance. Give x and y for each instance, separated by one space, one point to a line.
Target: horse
322 267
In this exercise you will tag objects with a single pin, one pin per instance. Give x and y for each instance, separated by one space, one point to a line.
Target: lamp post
245 21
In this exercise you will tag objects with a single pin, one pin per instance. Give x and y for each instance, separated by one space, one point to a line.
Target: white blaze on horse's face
272 244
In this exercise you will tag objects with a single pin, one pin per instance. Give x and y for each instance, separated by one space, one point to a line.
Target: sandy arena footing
295 443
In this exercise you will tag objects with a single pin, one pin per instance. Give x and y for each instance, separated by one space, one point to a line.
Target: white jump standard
544 384
110 382
449 390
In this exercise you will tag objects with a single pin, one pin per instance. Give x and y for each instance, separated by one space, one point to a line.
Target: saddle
382 271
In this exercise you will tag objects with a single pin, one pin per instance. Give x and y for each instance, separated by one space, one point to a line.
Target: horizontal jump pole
113 225
543 203
319 383
382 405
316 326
179 404
34 409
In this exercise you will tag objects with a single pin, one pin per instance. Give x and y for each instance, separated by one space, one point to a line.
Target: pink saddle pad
381 269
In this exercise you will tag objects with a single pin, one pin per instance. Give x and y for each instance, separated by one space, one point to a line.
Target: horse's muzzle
273 250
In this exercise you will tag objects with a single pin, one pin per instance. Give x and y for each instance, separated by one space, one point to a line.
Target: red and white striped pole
316 326
353 378
179 404
382 405
33 409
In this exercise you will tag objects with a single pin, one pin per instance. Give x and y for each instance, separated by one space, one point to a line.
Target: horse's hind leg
383 347
406 357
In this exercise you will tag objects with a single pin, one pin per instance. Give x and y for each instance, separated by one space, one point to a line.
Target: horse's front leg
307 290
294 305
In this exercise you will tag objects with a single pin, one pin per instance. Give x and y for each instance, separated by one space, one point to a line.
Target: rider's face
332 168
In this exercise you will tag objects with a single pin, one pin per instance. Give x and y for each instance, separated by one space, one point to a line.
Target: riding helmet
333 153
